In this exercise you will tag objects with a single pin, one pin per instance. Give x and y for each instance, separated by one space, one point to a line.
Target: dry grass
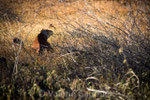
101 50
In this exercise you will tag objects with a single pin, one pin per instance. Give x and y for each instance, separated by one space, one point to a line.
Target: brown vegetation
101 49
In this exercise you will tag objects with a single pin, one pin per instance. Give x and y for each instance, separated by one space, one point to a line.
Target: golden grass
34 16
78 24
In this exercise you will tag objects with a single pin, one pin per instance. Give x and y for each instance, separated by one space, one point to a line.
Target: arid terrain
101 49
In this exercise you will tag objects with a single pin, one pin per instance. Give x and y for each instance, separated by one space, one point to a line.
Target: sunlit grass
100 52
